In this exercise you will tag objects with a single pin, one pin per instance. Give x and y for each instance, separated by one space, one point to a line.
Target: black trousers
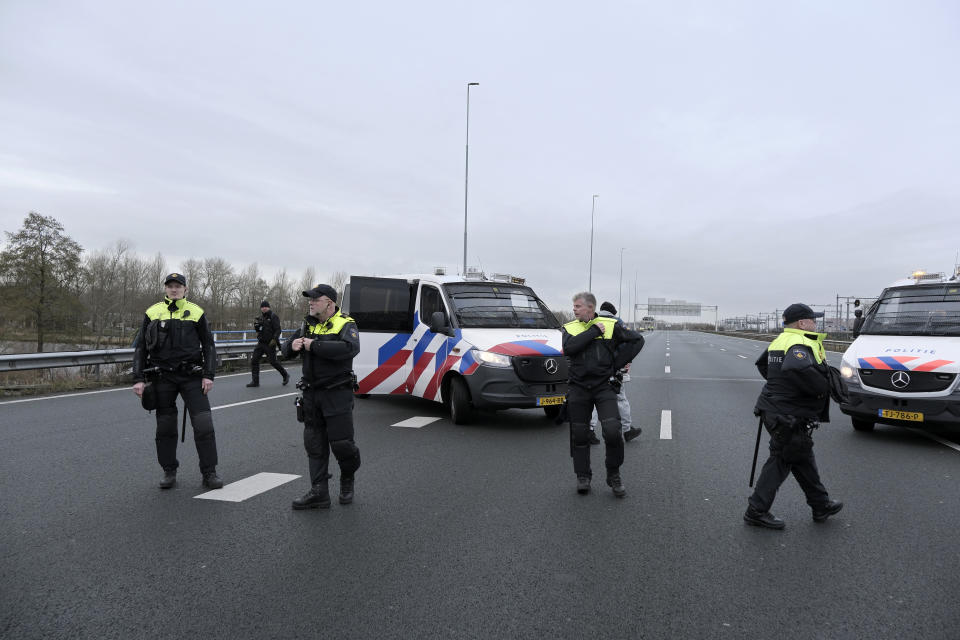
190 388
791 451
328 426
580 403
271 353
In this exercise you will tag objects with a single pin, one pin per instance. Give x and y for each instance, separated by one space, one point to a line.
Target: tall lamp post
620 302
593 208
466 179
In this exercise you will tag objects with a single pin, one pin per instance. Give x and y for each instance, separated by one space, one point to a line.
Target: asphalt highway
474 531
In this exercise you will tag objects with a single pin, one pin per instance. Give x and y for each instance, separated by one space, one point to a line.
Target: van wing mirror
438 323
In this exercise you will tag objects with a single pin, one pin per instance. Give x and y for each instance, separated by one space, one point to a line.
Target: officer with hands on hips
793 402
597 347
268 336
175 342
327 343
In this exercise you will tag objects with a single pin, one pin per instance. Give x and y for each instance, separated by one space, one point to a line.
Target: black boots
317 498
831 508
346 490
169 479
583 485
286 378
764 519
615 483
631 433
212 481
253 384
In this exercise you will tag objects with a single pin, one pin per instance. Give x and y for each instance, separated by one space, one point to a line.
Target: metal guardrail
830 345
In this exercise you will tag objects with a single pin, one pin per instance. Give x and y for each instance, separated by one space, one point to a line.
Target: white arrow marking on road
666 369
248 487
416 422
666 426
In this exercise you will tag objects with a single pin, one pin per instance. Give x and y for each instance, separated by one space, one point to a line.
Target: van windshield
497 305
916 311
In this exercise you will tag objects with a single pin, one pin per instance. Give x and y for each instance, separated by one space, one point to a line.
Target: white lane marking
722 349
237 404
668 354
248 487
740 356
416 422
666 369
946 443
666 425
90 393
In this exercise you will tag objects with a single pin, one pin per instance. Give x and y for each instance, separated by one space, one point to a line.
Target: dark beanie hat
609 308
264 304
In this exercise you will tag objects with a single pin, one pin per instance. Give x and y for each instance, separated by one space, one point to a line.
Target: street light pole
592 209
466 179
620 301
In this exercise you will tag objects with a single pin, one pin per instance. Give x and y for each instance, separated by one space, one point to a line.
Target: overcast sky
746 154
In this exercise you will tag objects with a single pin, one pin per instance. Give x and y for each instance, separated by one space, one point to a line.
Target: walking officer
327 343
268 336
795 399
597 347
175 347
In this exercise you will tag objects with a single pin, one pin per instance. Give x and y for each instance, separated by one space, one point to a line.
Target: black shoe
762 519
317 498
832 508
286 379
253 384
583 485
346 490
169 480
593 438
212 481
631 433
615 483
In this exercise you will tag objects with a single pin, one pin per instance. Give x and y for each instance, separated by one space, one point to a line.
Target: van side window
381 304
430 301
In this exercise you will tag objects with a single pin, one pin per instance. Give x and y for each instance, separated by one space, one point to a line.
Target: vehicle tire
861 425
552 410
461 410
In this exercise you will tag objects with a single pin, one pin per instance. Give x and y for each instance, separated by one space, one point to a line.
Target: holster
149 398
298 403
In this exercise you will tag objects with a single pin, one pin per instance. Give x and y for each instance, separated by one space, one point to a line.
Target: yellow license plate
549 400
912 416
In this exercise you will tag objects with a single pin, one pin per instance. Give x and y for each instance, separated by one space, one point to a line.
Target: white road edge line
666 425
237 404
946 443
248 487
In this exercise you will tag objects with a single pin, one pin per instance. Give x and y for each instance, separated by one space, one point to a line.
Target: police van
902 368
473 342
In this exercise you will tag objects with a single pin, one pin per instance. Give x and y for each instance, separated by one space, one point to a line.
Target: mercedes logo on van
900 379
551 366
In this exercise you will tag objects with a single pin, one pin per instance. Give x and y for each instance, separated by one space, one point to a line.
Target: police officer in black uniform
268 337
327 342
795 399
597 347
175 345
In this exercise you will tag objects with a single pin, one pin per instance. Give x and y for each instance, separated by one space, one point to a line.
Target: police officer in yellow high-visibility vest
795 399
596 347
327 342
176 343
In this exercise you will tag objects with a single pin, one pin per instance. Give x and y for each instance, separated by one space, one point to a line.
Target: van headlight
492 359
847 372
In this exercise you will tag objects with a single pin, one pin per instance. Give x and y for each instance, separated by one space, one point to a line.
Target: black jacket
797 385
329 362
174 336
269 328
593 359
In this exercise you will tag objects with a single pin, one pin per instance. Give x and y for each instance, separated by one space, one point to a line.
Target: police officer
327 342
596 347
630 432
794 400
268 336
175 341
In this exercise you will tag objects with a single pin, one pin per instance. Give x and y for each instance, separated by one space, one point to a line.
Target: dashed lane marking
668 354
722 349
666 369
248 487
666 425
740 356
416 422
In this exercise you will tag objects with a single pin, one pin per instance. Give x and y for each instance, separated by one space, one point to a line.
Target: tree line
50 286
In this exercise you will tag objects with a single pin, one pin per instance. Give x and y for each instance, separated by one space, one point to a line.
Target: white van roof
445 279
922 277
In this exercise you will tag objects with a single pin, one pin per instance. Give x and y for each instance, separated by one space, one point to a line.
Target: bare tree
221 284
337 280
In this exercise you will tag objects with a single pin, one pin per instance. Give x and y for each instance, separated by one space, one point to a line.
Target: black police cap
176 277
799 311
321 290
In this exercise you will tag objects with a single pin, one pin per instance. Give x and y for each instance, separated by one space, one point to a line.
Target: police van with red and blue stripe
473 342
902 368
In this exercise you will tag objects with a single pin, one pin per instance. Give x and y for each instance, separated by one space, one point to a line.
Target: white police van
902 368
473 342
